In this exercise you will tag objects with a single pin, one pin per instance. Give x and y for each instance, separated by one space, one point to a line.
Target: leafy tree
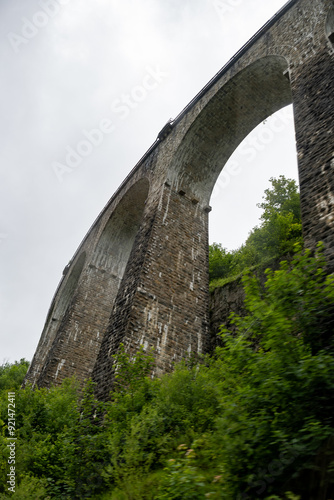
220 261
131 371
282 198
255 421
281 219
84 445
182 480
12 375
278 419
280 229
41 417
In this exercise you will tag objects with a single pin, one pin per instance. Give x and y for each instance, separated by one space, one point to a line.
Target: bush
279 231
255 421
12 375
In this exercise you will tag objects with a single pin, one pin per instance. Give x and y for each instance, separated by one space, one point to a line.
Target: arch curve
249 97
67 292
329 28
115 243
57 311
84 302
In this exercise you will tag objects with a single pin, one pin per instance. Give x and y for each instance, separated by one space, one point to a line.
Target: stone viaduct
140 276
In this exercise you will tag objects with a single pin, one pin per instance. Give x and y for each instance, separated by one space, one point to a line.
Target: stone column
313 100
163 301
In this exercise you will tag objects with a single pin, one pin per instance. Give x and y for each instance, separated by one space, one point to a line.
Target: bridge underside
140 276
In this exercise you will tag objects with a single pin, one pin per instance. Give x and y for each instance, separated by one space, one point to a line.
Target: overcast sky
67 66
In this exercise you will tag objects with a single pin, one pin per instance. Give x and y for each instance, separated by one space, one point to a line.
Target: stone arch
57 311
78 319
249 97
113 248
83 328
66 293
163 299
330 26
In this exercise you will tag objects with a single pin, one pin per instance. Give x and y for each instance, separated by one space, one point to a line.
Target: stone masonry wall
171 254
144 278
230 297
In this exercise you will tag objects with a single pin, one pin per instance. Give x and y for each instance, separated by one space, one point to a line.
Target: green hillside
253 421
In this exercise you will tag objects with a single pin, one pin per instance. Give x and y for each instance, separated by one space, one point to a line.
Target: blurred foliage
280 229
254 421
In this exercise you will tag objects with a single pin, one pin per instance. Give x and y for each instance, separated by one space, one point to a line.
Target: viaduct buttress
140 276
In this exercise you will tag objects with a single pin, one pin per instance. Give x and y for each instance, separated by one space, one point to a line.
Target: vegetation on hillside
253 421
279 230
12 374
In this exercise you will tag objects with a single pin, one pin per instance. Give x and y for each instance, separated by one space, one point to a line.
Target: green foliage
281 220
85 447
41 417
220 261
182 480
12 375
131 372
282 198
30 488
297 300
277 400
279 231
255 421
